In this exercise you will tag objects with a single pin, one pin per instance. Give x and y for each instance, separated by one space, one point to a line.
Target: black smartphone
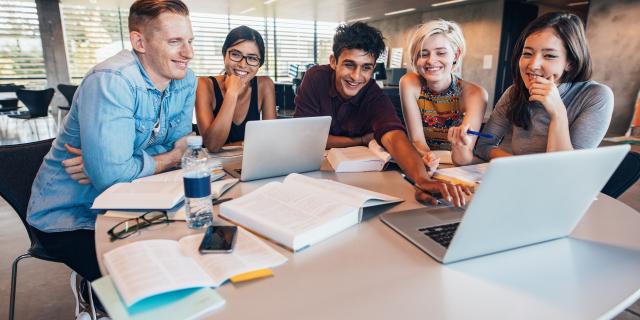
218 239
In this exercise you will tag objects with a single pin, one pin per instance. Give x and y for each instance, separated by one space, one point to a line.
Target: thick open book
163 191
465 175
359 159
147 268
301 211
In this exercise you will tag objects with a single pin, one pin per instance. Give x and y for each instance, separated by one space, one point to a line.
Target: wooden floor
43 287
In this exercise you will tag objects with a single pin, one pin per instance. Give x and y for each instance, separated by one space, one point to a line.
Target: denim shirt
120 121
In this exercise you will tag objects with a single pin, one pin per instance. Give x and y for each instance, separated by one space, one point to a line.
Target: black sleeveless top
236 133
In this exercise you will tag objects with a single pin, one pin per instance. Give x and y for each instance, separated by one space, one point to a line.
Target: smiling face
543 55
245 50
435 59
354 68
164 47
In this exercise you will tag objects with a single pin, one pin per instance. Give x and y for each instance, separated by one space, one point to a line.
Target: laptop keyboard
441 234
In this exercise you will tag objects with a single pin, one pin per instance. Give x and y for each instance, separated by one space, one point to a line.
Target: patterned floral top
439 112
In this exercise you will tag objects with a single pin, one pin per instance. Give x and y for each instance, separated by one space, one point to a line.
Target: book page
147 195
175 176
340 192
465 174
287 209
221 186
379 151
358 153
249 254
145 268
444 156
354 159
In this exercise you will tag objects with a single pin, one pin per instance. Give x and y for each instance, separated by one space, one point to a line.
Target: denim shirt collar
147 79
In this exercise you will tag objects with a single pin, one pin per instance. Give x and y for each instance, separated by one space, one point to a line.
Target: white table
371 272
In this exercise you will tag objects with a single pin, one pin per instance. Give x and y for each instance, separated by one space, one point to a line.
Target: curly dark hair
358 35
570 29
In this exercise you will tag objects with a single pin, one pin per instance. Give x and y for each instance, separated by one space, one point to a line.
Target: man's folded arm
108 131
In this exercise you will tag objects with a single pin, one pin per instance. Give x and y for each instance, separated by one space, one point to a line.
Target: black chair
20 163
37 101
394 95
67 90
627 173
10 87
8 104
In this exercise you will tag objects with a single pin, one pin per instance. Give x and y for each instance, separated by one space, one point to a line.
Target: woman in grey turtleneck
552 105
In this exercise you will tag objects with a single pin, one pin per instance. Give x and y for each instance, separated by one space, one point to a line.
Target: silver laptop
278 147
521 201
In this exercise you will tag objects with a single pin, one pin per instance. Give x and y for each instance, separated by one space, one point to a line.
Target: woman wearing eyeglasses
226 102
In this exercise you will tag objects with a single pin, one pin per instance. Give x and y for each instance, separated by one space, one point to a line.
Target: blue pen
480 134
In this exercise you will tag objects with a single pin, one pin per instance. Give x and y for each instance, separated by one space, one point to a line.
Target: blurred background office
44 43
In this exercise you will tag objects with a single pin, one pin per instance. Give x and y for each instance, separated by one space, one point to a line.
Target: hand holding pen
431 191
459 136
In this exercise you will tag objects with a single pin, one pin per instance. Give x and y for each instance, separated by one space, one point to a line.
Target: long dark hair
569 28
242 34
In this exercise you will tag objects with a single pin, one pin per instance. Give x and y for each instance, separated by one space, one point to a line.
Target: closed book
182 304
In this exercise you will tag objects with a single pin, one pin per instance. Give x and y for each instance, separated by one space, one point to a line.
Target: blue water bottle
197 185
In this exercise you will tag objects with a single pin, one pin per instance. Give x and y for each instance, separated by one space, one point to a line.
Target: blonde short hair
449 29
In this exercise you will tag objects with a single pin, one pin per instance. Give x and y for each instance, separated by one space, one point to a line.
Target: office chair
8 104
627 173
67 90
10 87
37 101
20 164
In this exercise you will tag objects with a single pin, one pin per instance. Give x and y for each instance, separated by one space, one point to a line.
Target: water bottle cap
194 141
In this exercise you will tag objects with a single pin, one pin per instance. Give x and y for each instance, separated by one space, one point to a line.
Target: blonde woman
439 107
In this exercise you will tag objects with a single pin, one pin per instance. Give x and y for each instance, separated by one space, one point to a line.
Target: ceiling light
399 11
269 1
247 10
447 2
358 19
573 4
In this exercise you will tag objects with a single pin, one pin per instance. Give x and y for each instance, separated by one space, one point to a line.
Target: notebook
278 147
183 304
522 200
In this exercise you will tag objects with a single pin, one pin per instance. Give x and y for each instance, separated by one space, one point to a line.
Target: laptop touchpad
446 215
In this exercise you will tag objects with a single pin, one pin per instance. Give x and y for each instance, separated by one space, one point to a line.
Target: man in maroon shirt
360 111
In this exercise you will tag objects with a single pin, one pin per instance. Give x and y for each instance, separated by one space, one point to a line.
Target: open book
301 211
163 191
359 158
465 175
147 268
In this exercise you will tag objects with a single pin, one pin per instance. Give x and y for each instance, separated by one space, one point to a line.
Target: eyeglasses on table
130 226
